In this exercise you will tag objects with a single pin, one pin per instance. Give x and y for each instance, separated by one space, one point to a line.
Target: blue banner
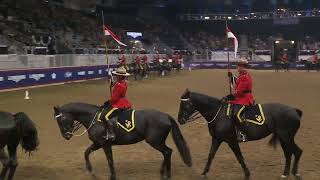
233 65
33 77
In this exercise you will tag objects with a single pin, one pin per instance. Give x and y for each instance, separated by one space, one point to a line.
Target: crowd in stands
67 31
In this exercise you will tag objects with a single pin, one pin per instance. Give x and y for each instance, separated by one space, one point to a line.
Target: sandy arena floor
61 159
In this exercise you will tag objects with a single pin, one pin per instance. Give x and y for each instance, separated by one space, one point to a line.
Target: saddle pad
126 120
252 114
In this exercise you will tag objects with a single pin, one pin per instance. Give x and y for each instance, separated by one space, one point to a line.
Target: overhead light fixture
277 42
299 14
292 42
206 17
229 17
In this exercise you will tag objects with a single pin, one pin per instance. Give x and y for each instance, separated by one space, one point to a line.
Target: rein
77 125
196 115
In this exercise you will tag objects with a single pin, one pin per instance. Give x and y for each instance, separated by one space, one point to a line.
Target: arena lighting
292 42
299 14
206 17
229 17
277 42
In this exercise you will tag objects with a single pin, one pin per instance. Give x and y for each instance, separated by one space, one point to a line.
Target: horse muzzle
67 136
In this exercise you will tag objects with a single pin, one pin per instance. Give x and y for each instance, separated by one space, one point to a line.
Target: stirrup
241 137
109 136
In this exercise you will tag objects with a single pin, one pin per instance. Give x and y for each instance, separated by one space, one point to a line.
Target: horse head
186 107
65 122
194 105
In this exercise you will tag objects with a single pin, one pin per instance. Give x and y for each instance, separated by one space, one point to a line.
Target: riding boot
110 131
241 137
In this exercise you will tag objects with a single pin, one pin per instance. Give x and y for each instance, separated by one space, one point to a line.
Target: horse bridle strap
76 126
195 116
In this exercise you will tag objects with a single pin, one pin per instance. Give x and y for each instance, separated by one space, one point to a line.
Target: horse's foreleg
214 148
13 162
234 145
108 151
93 147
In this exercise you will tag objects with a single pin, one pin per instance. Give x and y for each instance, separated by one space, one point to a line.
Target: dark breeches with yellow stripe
108 113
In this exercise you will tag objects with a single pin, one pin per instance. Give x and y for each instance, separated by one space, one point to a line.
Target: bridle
196 115
77 125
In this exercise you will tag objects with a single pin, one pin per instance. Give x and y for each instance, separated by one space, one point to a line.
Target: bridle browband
196 115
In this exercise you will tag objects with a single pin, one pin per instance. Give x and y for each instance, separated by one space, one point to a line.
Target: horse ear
56 109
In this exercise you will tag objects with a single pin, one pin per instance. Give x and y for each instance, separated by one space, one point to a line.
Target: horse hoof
204 176
165 178
283 176
297 176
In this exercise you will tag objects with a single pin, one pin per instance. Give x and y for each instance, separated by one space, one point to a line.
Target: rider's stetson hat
121 71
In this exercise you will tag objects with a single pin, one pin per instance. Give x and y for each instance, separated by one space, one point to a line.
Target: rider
138 62
118 101
123 62
242 92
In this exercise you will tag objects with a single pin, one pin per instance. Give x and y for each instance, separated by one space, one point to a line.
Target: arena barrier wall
34 77
21 71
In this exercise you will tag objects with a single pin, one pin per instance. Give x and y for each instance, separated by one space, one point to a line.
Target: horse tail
29 140
299 112
273 141
180 143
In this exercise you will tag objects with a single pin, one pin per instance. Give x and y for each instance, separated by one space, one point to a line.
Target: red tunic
145 59
123 61
137 60
118 99
243 90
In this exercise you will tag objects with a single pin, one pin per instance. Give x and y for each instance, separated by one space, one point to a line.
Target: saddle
249 114
125 120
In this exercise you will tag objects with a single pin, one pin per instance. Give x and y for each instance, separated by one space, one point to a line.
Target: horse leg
93 147
158 141
5 163
108 151
165 170
297 154
214 148
288 154
234 145
13 161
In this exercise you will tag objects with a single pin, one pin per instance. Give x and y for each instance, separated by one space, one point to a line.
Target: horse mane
79 107
204 100
29 140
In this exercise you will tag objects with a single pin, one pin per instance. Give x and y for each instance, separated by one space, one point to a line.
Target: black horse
15 129
150 125
281 120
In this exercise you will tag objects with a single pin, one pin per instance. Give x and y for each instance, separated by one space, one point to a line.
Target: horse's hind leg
5 163
93 147
157 141
287 150
297 154
166 152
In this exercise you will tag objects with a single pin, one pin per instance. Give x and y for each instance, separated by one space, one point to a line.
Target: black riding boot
110 130
241 137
